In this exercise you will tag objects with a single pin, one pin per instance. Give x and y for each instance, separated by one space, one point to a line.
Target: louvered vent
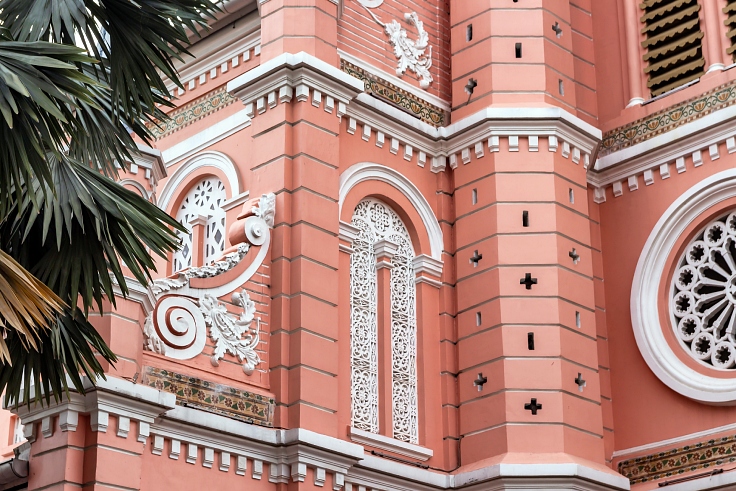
730 11
673 42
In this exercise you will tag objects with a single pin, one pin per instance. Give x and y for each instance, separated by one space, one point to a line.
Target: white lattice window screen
18 431
203 199
376 221
703 301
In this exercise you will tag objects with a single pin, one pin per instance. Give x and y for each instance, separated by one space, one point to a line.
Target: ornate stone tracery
204 199
703 301
377 222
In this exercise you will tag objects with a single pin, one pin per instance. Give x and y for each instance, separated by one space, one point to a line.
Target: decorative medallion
412 54
191 112
677 461
668 119
212 397
704 295
395 96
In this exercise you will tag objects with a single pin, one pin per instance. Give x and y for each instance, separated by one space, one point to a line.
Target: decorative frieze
396 96
668 119
702 455
212 397
191 112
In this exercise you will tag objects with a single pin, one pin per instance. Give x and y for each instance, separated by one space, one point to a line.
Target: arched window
383 242
204 199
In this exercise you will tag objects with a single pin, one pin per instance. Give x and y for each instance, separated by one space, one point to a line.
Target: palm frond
89 230
67 351
27 306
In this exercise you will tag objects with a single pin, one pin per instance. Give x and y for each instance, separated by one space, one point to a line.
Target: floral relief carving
414 55
233 335
703 298
177 327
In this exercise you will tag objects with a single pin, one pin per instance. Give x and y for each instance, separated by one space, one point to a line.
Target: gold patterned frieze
396 96
212 397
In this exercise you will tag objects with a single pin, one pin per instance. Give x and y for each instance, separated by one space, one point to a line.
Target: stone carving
232 335
412 54
266 208
377 222
703 298
177 327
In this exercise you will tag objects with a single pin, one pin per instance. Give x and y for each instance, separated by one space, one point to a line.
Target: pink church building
434 245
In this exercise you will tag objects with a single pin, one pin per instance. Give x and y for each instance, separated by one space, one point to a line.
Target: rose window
704 295
204 199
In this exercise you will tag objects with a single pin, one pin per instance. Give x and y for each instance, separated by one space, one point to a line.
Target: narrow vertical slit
577 319
571 195
518 50
478 319
525 218
475 196
561 87
530 341
469 33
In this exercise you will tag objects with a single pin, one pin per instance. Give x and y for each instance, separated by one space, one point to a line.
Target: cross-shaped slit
574 256
475 258
533 407
580 381
528 281
480 381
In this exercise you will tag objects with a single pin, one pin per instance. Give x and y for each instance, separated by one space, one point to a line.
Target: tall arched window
383 236
205 199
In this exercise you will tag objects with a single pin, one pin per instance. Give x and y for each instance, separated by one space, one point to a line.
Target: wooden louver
673 42
730 11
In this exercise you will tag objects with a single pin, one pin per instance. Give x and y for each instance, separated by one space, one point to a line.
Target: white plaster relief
479 153
599 195
408 152
123 426
177 327
412 54
633 183
648 177
329 104
617 189
731 144
68 420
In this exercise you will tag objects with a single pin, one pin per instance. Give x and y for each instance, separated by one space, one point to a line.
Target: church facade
433 245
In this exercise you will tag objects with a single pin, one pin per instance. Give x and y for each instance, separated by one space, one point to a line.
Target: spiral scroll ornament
703 300
179 327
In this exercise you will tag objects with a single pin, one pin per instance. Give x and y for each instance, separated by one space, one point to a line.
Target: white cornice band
233 446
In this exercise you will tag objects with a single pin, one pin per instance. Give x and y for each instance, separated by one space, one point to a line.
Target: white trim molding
368 171
390 444
645 293
695 140
218 160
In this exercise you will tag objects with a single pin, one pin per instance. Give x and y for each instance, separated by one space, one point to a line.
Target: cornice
224 49
696 141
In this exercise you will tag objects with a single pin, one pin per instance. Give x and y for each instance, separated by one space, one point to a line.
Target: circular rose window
703 295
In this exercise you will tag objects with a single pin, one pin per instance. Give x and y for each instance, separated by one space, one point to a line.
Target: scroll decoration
233 335
177 327
412 54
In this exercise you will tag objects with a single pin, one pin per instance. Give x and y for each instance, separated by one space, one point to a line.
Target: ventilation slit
518 50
